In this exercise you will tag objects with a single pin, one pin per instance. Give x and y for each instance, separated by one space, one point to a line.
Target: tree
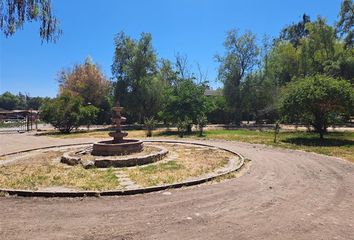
240 58
134 67
185 103
14 13
258 94
88 115
319 101
345 25
283 63
87 81
67 112
295 32
10 101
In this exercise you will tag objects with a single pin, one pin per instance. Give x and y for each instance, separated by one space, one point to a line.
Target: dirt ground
285 194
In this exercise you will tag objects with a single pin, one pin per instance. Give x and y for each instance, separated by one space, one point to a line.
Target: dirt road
284 195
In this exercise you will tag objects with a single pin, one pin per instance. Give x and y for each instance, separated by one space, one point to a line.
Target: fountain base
110 148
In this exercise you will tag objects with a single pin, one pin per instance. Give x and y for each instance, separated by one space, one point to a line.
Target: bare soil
285 194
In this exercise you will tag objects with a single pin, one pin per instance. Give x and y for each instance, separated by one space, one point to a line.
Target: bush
202 122
149 125
183 126
67 112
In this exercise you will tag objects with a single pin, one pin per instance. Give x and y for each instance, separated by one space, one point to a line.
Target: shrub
149 125
67 112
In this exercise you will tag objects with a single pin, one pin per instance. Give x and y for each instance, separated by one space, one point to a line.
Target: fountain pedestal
119 145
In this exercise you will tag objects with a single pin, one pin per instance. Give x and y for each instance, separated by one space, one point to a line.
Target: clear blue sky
193 27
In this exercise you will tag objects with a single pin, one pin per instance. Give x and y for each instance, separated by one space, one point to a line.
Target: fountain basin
109 148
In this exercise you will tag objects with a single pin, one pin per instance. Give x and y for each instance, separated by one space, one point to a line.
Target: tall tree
86 80
295 32
134 68
14 13
240 58
345 24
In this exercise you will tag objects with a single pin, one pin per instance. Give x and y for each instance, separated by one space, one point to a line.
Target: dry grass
190 162
41 171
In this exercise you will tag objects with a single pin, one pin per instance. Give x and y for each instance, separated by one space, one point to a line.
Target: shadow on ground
316 142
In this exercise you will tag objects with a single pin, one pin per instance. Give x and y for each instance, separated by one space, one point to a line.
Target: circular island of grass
41 173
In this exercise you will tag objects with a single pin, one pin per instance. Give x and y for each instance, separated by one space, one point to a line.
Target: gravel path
284 195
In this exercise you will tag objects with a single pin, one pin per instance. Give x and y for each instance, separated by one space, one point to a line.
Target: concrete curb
28 193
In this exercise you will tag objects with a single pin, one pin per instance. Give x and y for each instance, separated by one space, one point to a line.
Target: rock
70 160
88 164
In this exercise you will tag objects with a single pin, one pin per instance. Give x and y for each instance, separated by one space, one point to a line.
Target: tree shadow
173 133
316 142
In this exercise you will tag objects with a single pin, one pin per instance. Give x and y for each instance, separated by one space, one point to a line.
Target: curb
28 193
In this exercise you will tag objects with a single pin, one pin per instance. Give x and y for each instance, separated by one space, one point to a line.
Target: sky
196 28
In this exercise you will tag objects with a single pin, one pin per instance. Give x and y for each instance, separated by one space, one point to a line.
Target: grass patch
38 173
338 144
189 162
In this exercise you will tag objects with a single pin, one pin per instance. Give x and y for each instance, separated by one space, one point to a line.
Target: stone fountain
118 152
119 145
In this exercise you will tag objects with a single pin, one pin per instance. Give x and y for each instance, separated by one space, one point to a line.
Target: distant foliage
9 101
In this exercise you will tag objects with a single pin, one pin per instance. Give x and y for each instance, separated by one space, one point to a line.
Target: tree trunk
189 129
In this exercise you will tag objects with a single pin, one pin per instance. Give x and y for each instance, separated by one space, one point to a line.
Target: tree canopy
67 112
14 13
240 58
319 101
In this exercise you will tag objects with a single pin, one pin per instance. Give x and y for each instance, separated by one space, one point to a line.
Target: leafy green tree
10 101
14 14
318 48
185 100
67 112
219 111
345 24
258 96
202 121
319 101
240 58
88 115
35 102
283 63
87 81
295 32
134 67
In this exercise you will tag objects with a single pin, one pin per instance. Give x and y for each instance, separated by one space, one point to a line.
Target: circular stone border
29 193
72 158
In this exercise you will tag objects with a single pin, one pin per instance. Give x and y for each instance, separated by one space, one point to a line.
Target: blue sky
196 28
